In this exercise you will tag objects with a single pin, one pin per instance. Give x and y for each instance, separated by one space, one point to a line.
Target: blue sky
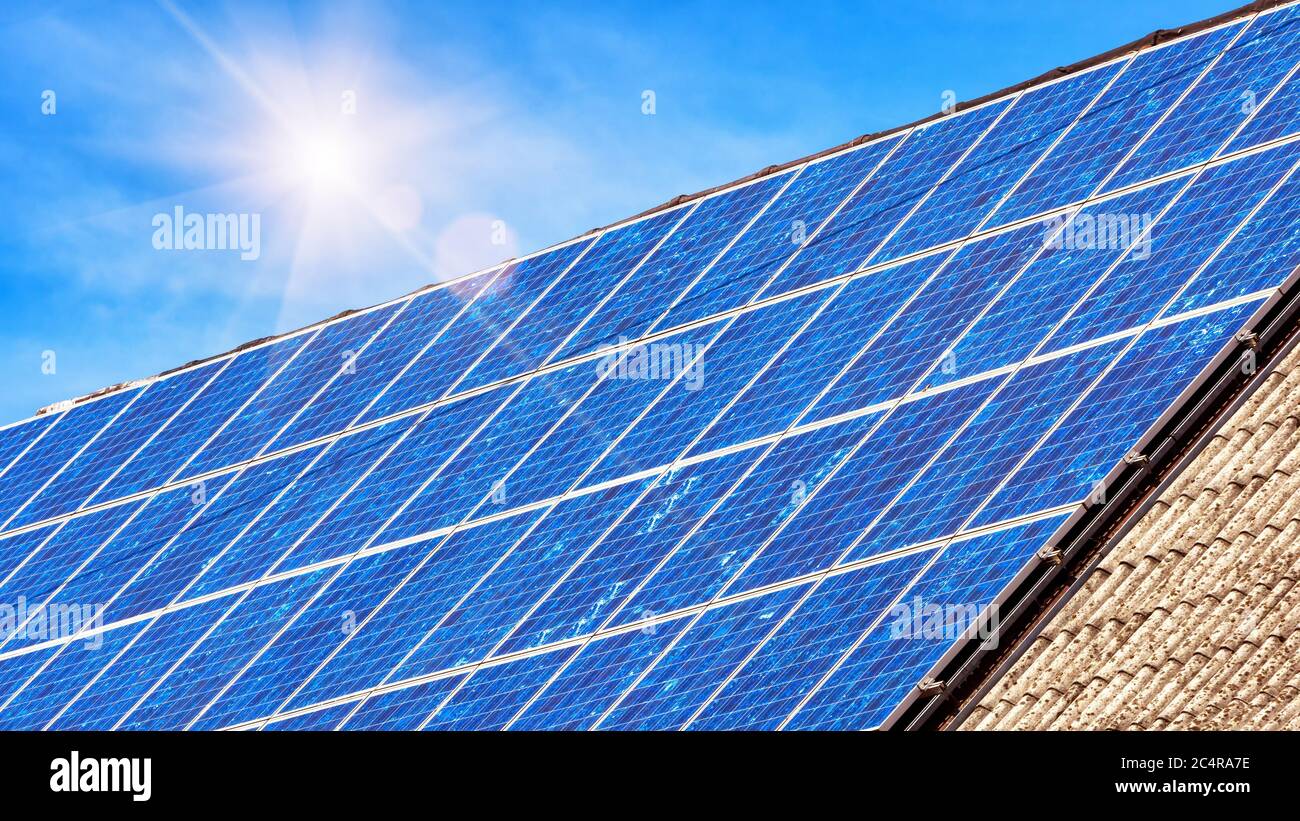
387 145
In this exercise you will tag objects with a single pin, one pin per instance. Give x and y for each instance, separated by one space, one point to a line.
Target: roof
1193 621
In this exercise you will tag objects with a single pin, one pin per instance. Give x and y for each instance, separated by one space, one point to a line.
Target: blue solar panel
404 709
887 662
586 686
849 321
416 607
329 353
392 352
701 391
161 459
1089 152
491 697
778 484
597 585
678 684
636 481
39 464
508 297
685 255
1221 102
888 197
796 652
961 202
533 340
78 481
929 324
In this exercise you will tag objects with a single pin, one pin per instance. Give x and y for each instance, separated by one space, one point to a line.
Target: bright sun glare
324 163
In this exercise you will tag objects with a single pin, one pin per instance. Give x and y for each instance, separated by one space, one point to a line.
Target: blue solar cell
359 516
1277 118
316 721
74 666
346 601
846 503
1217 105
1262 256
15 549
627 388
802 649
1049 287
692 246
47 455
736 356
778 234
880 672
963 200
416 607
492 695
480 472
998 436
103 703
71 488
1127 401
705 656
1181 241
421 320
279 526
848 322
15 438
530 343
849 241
915 341
15 670
508 297
505 597
750 513
330 352
156 463
1090 150
404 709
228 510
181 694
598 584
588 685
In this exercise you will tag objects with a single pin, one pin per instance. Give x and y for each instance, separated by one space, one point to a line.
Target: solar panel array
681 473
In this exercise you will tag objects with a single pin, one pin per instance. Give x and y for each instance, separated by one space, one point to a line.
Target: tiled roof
1193 621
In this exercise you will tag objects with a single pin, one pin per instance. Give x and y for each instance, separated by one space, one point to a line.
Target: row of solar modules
1219 210
536 588
979 170
616 556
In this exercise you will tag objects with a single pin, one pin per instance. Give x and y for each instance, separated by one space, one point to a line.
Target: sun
324 163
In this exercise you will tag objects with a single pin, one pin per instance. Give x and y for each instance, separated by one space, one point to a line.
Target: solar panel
717 467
